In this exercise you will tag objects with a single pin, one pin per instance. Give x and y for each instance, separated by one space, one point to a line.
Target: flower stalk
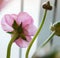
45 6
34 38
49 38
10 45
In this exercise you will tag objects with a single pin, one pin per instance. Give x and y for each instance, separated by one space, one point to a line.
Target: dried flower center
47 6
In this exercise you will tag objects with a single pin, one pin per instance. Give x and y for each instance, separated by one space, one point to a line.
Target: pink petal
9 19
24 18
28 38
30 30
14 16
5 26
22 43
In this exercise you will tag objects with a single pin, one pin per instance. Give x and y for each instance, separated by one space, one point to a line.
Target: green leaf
15 25
20 29
10 32
23 37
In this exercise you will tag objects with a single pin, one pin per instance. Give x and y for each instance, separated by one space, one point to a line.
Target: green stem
49 38
34 38
10 44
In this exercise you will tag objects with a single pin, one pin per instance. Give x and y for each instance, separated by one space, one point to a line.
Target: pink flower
21 23
3 3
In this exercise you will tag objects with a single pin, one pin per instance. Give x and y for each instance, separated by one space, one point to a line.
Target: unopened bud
56 27
47 6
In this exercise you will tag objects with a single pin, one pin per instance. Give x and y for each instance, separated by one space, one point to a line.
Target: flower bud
56 27
47 6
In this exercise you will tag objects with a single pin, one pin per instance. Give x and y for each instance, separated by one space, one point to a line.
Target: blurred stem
34 38
49 38
10 45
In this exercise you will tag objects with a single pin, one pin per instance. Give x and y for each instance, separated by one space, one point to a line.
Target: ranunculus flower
22 24
3 3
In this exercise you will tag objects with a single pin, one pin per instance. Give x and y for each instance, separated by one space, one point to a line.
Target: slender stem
44 43
10 44
34 38
49 38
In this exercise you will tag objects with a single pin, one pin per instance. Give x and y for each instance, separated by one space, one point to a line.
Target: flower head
22 24
56 27
47 6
